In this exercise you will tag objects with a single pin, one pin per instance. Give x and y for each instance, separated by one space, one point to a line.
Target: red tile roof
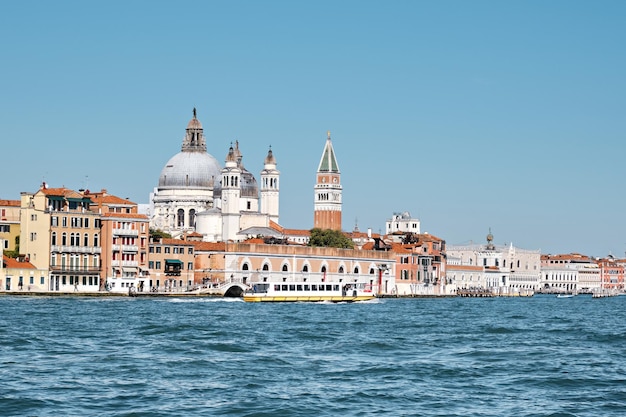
12 263
10 203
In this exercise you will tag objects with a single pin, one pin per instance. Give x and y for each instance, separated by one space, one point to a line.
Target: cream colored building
9 224
60 234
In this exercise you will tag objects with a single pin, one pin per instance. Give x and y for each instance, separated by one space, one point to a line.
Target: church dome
190 170
249 187
192 167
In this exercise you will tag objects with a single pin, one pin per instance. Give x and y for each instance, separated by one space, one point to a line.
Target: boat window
329 287
283 287
335 287
299 287
276 287
292 287
306 287
313 287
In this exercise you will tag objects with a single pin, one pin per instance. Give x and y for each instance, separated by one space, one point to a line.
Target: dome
191 170
248 185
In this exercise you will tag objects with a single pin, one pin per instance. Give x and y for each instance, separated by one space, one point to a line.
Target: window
305 268
151 264
96 240
151 249
158 249
53 238
86 223
54 221
285 268
192 218
33 236
190 251
189 266
158 264
181 218
42 281
86 240
33 217
167 249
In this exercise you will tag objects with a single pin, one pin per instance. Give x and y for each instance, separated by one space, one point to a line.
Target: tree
159 234
330 239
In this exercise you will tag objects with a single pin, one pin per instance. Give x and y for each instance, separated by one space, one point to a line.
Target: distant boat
565 295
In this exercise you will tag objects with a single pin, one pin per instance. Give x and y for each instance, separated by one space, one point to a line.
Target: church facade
196 194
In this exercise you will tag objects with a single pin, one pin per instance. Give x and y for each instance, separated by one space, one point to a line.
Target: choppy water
538 356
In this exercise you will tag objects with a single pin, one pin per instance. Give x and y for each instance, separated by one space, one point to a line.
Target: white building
195 194
498 268
402 222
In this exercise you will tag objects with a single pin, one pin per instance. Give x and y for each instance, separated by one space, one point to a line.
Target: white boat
309 292
565 295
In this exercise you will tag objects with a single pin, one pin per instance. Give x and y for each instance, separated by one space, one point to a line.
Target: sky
471 115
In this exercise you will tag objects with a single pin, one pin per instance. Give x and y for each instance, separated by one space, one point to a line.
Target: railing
126 232
124 263
70 269
76 249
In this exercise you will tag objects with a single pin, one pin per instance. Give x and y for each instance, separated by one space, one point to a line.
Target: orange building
611 274
125 237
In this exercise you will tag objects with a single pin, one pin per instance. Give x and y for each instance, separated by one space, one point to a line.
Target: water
538 356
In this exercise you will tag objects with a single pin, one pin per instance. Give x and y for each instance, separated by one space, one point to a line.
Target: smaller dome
249 186
194 124
269 159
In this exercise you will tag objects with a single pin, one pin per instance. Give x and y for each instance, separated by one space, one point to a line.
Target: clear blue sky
471 115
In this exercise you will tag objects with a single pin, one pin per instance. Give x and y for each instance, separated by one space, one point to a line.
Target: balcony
75 270
75 249
125 232
125 263
125 248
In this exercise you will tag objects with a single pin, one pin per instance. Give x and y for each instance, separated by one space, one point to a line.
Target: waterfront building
566 273
171 265
328 191
506 268
420 265
611 273
61 234
9 224
19 275
254 262
124 241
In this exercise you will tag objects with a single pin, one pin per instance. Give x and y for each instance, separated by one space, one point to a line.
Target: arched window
192 218
305 268
86 240
95 240
266 267
285 268
324 269
356 269
341 269
64 239
245 267
54 238
372 271
181 218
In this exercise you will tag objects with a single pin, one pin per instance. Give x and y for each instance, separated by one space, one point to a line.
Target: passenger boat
309 292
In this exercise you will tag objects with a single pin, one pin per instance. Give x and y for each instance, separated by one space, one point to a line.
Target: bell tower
231 193
328 190
269 187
